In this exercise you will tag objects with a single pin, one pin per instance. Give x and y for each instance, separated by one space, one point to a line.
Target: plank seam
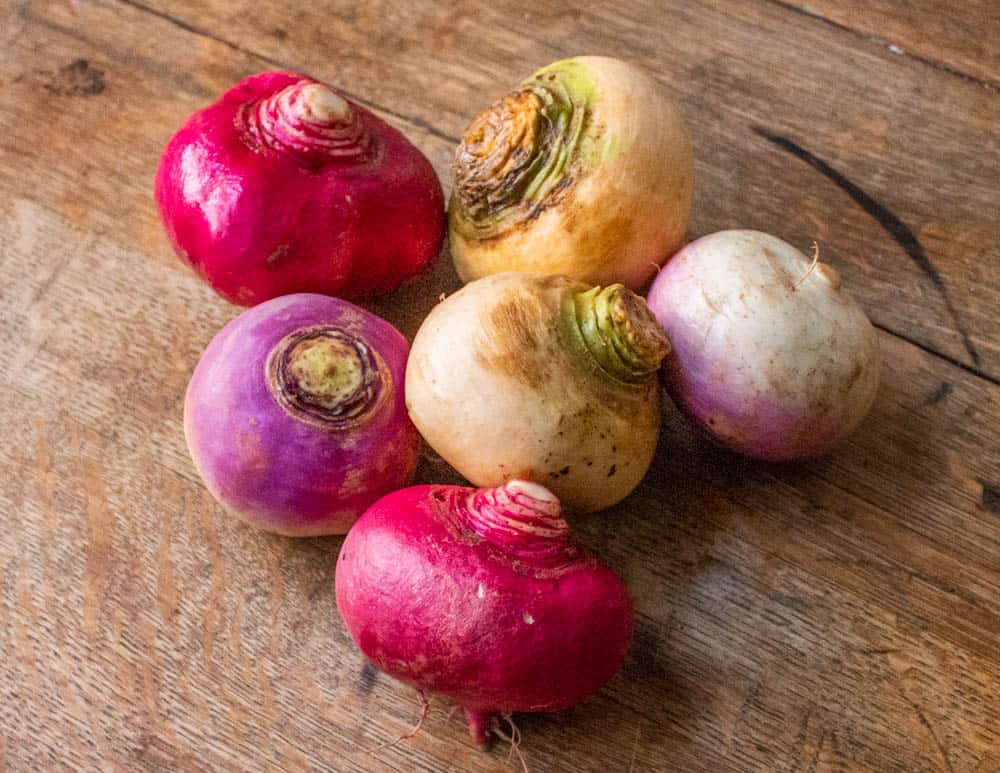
188 27
986 83
971 369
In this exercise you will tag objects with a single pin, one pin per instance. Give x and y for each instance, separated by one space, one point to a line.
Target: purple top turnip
480 595
283 186
771 356
295 414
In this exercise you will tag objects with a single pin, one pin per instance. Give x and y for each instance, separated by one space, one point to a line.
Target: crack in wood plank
930 729
100 532
979 372
986 83
891 223
990 497
427 126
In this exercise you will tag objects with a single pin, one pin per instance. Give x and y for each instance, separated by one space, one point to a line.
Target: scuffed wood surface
923 143
962 37
843 614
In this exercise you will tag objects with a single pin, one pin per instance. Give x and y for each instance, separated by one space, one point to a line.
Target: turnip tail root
812 265
483 725
514 739
424 708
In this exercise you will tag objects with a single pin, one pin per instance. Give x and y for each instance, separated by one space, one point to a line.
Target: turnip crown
612 327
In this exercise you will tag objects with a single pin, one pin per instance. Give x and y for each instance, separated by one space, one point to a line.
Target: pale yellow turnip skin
494 389
625 203
771 356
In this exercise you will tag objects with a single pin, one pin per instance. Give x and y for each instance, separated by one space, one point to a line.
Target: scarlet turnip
295 415
481 596
771 356
286 186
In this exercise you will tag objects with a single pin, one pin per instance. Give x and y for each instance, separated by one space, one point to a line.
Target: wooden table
838 615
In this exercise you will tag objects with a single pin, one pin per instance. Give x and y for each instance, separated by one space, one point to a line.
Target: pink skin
279 468
769 428
480 595
770 357
267 195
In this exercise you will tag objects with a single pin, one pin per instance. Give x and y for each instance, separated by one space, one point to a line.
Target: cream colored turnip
585 169
540 378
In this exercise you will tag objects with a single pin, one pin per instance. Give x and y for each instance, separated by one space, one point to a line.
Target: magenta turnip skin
295 415
480 595
285 186
771 357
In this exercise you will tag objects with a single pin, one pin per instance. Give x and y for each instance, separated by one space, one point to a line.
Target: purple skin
767 428
298 433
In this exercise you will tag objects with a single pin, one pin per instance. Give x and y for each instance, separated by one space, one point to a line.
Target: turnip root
481 596
283 186
585 169
544 379
771 357
295 415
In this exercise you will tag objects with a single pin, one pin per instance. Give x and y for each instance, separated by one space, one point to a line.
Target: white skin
771 356
494 390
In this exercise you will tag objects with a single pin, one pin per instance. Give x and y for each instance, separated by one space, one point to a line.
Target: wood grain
840 615
736 66
962 38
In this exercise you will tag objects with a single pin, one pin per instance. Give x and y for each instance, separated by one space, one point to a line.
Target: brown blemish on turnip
513 342
276 257
855 375
355 482
830 275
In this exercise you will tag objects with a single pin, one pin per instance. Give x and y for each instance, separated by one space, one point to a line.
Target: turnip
544 379
284 186
481 596
771 357
585 169
295 415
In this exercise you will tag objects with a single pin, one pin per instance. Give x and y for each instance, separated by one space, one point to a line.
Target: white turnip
544 379
771 357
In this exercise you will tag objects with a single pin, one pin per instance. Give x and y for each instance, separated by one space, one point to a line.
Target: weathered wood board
837 615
